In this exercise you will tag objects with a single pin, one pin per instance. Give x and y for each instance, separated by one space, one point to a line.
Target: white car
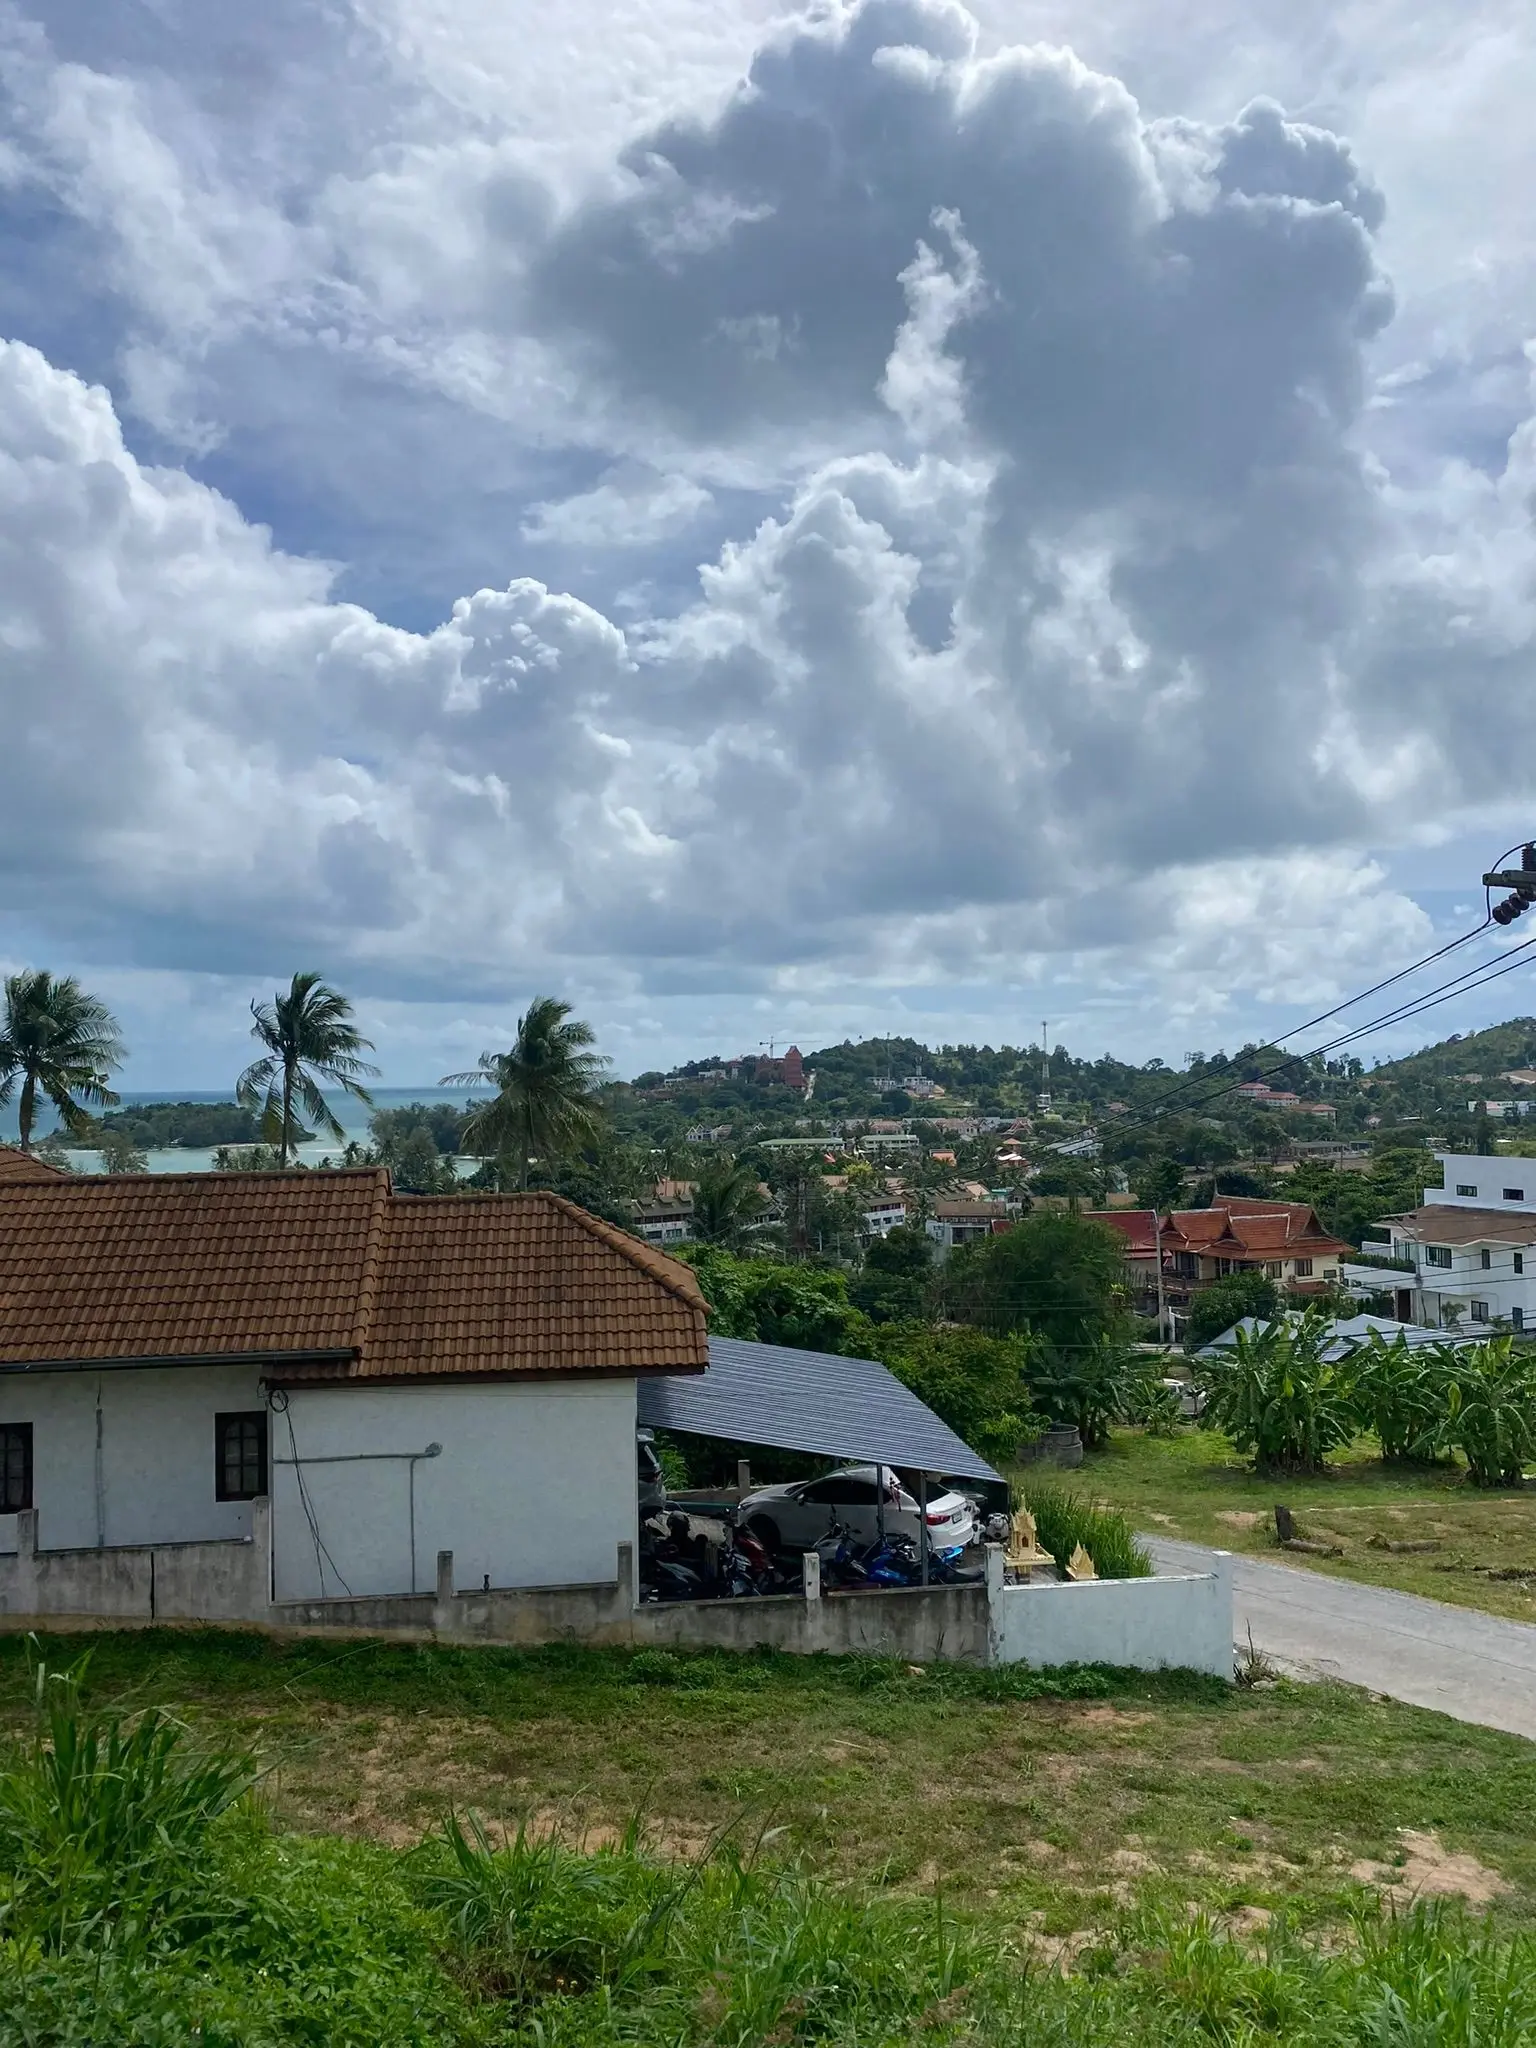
797 1515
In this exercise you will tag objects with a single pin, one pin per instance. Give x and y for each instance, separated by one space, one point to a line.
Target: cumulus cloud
1065 622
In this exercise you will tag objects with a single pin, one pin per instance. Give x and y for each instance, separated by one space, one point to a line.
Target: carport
852 1409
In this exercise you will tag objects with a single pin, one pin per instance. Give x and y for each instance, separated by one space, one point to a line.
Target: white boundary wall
1182 1622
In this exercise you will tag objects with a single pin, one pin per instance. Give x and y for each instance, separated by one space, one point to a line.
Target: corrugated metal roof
852 1408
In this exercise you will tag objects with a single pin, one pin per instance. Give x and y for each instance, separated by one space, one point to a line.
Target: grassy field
1051 1814
1193 1485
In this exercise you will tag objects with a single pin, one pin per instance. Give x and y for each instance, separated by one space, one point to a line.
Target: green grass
1194 1485
827 1851
1050 1801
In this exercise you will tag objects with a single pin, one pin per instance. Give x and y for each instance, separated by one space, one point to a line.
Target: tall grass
143 1901
1064 1519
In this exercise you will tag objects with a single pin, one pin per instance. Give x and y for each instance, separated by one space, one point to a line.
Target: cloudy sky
889 518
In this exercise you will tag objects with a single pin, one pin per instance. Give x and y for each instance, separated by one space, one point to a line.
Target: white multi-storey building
1472 1244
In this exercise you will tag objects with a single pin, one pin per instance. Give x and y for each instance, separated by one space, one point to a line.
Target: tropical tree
1279 1398
57 1041
546 1086
309 1038
727 1203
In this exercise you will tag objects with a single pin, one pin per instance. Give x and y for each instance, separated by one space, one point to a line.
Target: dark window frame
224 1423
16 1437
1514 1194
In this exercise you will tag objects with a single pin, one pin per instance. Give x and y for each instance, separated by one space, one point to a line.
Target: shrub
1094 1385
1064 1519
1213 1312
974 1382
1402 1395
1277 1399
104 1820
1490 1409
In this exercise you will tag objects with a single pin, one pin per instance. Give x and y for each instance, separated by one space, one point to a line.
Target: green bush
1063 1519
1277 1399
1214 1311
1402 1395
976 1383
1490 1408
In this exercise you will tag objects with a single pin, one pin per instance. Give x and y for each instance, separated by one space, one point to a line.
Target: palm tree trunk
282 1150
26 1109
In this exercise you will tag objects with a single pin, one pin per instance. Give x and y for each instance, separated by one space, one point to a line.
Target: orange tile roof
1256 1226
333 1275
17 1168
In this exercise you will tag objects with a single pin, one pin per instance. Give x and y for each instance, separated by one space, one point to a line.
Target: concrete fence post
629 1589
442 1605
260 1588
26 1562
992 1558
810 1574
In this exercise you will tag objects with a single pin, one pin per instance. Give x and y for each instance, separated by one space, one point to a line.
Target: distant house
954 1223
384 1377
1241 1233
1266 1097
1472 1244
664 1218
883 1213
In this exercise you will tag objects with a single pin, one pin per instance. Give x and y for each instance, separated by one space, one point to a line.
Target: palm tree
57 1039
546 1088
308 1033
727 1202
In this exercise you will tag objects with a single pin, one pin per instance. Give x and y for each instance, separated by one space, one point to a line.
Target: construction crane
771 1045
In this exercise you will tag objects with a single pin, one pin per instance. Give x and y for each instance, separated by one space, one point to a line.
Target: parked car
797 1515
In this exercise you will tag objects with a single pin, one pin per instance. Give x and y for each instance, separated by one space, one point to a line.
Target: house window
1514 1194
240 1455
1466 1188
1479 1311
1303 1269
15 1467
1437 1255
1517 1319
1274 1268
1519 1262
1486 1258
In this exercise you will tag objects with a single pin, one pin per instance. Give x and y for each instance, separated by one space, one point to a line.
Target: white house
1472 1244
386 1376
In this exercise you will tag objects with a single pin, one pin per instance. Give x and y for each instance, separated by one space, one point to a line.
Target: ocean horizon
351 1114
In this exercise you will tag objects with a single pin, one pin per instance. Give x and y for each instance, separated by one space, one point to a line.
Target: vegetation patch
149 1894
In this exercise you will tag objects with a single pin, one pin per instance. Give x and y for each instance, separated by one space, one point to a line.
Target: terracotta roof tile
18 1168
333 1275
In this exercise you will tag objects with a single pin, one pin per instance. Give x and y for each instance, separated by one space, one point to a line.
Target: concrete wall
153 1481
534 1486
217 1581
1149 1624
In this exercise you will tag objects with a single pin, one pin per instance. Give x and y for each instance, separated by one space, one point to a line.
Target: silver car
797 1515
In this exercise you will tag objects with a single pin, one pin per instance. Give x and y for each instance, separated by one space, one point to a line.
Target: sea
349 1113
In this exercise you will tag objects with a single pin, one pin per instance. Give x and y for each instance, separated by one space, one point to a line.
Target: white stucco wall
157 1453
1147 1624
534 1486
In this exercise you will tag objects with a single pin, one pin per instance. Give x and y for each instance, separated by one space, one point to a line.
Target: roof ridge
677 1277
368 1279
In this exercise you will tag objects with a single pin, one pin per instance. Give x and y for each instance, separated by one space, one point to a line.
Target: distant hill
1489 1053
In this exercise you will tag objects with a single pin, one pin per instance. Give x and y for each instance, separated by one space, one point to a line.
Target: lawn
1194 1485
1051 1815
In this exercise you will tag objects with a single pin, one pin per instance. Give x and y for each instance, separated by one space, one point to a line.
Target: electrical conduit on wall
279 1403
